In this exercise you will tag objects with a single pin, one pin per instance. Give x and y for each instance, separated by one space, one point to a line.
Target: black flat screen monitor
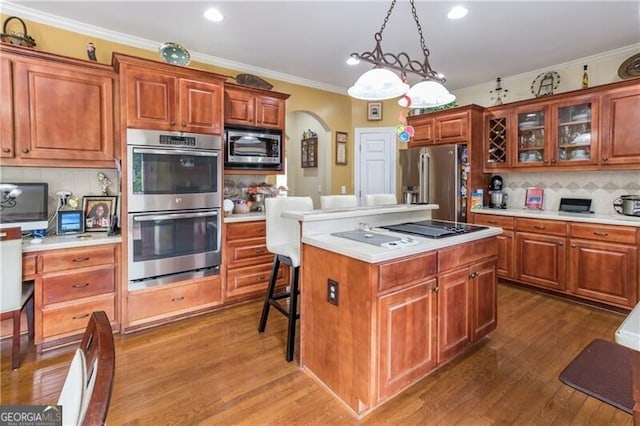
24 204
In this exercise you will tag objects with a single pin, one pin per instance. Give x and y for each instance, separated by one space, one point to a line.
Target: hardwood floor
217 369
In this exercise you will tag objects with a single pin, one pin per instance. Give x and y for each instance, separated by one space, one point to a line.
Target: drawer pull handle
600 233
493 222
83 285
538 226
178 299
77 317
81 259
260 278
261 251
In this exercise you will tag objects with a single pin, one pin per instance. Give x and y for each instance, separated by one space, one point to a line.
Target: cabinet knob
436 289
173 123
184 124
6 150
573 245
605 159
25 150
553 161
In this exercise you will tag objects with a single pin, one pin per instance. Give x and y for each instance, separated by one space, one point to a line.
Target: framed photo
374 111
98 213
534 198
341 148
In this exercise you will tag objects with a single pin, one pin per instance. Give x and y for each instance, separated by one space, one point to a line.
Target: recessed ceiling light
457 12
213 15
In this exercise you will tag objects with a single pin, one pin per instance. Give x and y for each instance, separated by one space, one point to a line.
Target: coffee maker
497 198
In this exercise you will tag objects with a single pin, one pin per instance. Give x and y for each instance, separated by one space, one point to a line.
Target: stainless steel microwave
253 149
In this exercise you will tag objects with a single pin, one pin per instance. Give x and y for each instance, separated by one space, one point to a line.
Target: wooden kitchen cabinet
620 126
69 285
161 96
497 140
248 262
506 247
252 107
541 250
443 127
59 111
603 263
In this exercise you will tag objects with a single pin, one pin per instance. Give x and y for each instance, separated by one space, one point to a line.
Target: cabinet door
452 128
6 109
604 272
63 112
484 309
269 112
575 138
425 132
541 260
620 126
407 336
151 100
454 319
496 140
504 263
239 107
532 137
200 107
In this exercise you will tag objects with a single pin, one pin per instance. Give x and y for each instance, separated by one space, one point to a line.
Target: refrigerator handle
424 177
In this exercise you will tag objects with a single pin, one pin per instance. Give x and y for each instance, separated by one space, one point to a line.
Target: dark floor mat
602 370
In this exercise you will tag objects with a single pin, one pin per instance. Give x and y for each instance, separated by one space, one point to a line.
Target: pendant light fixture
381 83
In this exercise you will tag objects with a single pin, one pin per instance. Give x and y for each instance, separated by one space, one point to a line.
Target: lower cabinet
505 263
395 321
69 285
248 262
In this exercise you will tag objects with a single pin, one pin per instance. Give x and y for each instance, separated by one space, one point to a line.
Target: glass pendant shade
427 94
378 84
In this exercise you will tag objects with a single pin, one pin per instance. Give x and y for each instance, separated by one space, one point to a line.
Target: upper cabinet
442 127
56 111
591 129
168 97
621 126
247 106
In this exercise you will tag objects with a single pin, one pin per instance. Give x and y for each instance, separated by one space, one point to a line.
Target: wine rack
497 152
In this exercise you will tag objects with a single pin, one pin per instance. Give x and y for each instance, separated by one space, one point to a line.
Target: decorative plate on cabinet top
173 53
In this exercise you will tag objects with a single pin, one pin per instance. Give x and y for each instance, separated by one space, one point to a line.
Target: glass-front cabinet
532 137
575 138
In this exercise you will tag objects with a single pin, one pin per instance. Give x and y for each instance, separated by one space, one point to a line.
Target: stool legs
15 345
271 299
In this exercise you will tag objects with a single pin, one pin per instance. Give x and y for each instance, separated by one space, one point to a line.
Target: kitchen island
376 319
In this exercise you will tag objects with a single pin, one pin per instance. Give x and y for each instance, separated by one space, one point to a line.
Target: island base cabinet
604 272
407 330
454 329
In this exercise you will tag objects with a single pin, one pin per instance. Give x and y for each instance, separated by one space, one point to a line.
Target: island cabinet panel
407 329
56 111
395 321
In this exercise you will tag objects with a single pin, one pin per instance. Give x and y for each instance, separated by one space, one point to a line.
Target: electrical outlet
332 292
343 189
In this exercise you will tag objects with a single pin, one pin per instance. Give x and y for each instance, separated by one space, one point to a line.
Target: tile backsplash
601 187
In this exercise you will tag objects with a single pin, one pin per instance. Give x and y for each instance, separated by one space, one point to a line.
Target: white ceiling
308 42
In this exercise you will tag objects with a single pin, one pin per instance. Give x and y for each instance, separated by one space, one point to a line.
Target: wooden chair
16 295
86 393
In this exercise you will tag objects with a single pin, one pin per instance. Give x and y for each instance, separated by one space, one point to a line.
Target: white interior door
375 161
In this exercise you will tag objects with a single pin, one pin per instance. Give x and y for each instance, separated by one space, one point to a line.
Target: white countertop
629 332
247 217
374 254
356 212
571 217
55 242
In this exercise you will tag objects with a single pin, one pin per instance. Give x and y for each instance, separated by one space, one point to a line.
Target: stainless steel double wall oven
174 206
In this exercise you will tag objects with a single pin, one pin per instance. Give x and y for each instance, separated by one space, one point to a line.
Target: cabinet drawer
456 256
505 222
617 234
235 231
77 285
172 300
62 260
548 227
253 279
28 266
405 271
247 253
75 317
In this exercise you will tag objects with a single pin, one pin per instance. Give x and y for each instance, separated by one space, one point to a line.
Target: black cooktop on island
434 228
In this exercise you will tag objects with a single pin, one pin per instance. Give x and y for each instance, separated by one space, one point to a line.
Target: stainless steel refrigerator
437 175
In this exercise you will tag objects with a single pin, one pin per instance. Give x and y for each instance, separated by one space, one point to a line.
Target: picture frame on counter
534 198
341 148
99 211
374 111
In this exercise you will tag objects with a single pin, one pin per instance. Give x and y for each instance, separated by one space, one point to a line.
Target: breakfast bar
376 318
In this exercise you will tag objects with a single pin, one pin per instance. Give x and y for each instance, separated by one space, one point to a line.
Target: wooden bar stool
283 240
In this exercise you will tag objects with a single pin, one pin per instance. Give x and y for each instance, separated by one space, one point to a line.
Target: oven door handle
174 152
172 216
